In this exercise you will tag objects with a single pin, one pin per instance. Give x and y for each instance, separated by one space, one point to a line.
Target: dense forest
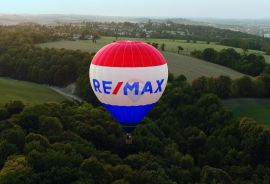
77 143
21 59
189 137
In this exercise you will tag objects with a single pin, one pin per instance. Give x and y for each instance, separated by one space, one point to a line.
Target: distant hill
8 19
258 27
12 19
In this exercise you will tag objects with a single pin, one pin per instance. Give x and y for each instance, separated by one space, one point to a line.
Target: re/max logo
129 87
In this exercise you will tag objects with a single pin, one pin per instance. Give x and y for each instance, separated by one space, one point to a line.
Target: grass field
193 68
171 46
259 109
178 64
29 93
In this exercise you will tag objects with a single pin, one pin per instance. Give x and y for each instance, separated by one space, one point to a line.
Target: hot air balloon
128 78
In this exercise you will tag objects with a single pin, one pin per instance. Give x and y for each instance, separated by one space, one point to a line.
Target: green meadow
27 92
171 46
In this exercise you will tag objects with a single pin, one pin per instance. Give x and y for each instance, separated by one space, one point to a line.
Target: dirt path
67 91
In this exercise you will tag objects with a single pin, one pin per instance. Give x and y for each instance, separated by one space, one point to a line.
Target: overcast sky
142 8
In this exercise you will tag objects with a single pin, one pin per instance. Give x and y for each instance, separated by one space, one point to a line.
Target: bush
14 107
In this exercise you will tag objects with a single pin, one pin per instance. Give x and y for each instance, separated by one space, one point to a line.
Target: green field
259 109
171 46
29 93
191 67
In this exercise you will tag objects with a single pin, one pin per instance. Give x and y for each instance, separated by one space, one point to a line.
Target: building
267 35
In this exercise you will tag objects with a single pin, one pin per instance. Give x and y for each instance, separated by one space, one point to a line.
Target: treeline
173 30
250 64
27 34
256 43
45 66
21 59
225 87
77 143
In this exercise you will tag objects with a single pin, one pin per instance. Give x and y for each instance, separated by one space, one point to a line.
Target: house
76 36
88 37
267 35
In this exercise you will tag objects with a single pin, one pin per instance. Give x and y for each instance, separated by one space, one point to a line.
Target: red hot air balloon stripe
118 86
128 54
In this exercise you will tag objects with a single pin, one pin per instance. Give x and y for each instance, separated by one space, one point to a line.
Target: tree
95 36
227 57
210 54
14 136
154 44
50 125
258 88
244 47
267 50
37 142
6 149
16 170
95 169
267 70
179 48
121 171
3 113
255 139
187 162
221 86
266 79
215 175
155 176
242 87
210 104
121 181
84 90
14 107
162 47
170 79
196 53
200 84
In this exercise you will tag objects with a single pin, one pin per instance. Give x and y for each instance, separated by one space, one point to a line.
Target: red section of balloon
128 54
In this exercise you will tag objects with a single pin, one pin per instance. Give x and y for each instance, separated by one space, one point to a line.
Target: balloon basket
128 138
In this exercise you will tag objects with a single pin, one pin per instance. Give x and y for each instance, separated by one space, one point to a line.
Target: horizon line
129 16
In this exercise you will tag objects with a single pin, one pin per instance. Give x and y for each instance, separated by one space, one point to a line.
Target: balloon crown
128 54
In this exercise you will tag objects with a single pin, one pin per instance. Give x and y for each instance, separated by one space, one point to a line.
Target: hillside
29 93
171 46
178 64
193 68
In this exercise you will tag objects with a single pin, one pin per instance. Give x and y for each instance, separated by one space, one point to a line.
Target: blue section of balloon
129 116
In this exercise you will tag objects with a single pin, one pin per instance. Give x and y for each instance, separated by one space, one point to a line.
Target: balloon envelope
128 78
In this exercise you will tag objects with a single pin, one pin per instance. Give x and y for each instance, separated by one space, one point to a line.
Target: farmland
193 68
178 63
28 93
171 46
